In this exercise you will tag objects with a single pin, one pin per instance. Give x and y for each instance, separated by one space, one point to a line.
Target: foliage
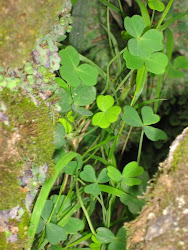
82 213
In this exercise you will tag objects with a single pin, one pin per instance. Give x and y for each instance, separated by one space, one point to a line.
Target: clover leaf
55 233
148 116
130 171
155 63
74 73
67 122
83 95
179 62
105 236
108 115
134 25
142 45
88 175
156 5
132 118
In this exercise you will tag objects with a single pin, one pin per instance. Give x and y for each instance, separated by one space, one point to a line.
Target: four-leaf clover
109 112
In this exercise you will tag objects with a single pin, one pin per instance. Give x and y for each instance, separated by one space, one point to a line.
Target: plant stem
140 146
108 70
124 80
84 210
165 12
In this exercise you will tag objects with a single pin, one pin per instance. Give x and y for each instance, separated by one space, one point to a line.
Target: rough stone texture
21 23
26 126
163 222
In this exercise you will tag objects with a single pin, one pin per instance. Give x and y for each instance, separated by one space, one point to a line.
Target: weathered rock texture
163 222
21 23
26 126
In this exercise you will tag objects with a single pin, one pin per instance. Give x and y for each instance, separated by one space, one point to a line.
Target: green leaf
151 41
44 193
175 73
71 168
103 177
148 116
73 226
68 73
156 63
156 5
99 119
81 111
112 114
134 25
83 95
132 62
59 203
55 233
134 204
109 114
141 77
105 102
131 181
154 134
104 235
132 170
40 226
65 100
87 74
111 190
55 247
67 125
120 240
59 134
47 210
88 174
180 62
92 189
114 173
131 117
61 83
69 56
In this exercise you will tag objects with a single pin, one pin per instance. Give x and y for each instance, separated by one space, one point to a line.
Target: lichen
21 24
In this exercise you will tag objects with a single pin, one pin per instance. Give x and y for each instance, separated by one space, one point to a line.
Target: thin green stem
165 12
108 70
152 17
120 6
140 146
108 30
124 80
87 133
85 210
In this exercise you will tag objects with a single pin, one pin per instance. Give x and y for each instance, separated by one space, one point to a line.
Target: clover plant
96 191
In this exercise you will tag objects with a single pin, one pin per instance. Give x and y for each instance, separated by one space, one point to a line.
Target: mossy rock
21 23
163 222
27 136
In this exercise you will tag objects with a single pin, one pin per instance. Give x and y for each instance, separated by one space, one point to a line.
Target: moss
3 242
22 233
180 153
9 188
21 24
33 126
